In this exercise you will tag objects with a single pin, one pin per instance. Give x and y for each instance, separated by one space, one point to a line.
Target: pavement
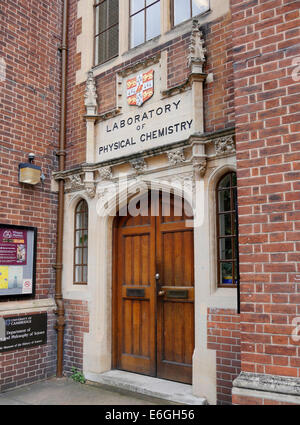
66 392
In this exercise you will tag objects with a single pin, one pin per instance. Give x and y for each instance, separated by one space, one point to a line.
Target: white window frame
186 20
166 23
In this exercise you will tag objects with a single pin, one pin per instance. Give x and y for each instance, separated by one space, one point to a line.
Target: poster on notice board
17 260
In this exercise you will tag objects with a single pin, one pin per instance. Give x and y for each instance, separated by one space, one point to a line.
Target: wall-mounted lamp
30 173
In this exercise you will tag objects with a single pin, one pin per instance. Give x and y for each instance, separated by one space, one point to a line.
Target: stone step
159 388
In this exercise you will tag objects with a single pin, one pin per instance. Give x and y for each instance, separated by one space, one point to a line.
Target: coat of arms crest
140 89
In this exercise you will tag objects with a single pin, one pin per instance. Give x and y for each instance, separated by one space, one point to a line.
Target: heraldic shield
140 89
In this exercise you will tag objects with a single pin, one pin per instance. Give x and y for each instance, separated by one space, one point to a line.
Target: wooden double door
153 306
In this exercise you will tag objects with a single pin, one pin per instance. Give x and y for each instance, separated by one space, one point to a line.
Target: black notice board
23 332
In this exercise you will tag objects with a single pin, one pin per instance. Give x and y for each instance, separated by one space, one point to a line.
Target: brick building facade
232 72
29 116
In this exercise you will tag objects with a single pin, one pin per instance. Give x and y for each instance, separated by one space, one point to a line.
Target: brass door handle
161 293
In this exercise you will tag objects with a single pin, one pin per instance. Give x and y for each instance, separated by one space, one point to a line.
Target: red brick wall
24 366
223 335
267 106
29 121
76 134
77 324
178 71
219 94
30 34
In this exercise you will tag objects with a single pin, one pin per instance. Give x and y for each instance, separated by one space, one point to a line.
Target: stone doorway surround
196 166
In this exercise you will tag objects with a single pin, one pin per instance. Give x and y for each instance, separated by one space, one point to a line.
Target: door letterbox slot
179 294
138 293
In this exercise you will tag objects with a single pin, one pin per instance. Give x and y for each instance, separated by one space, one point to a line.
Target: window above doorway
106 30
120 26
182 10
144 18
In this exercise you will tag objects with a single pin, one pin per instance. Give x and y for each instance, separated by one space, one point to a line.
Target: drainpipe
60 311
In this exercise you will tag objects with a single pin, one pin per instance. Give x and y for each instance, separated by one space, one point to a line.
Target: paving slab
67 392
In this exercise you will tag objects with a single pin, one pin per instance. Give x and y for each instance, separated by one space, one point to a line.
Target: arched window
227 231
81 243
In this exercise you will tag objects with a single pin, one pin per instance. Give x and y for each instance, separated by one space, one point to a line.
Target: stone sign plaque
147 121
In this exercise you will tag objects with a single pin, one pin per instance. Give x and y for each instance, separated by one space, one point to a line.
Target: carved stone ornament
139 165
107 193
102 193
196 49
74 183
105 173
200 166
90 189
225 145
90 97
176 157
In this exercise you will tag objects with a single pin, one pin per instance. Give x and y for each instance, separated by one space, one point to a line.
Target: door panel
136 295
175 305
155 326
